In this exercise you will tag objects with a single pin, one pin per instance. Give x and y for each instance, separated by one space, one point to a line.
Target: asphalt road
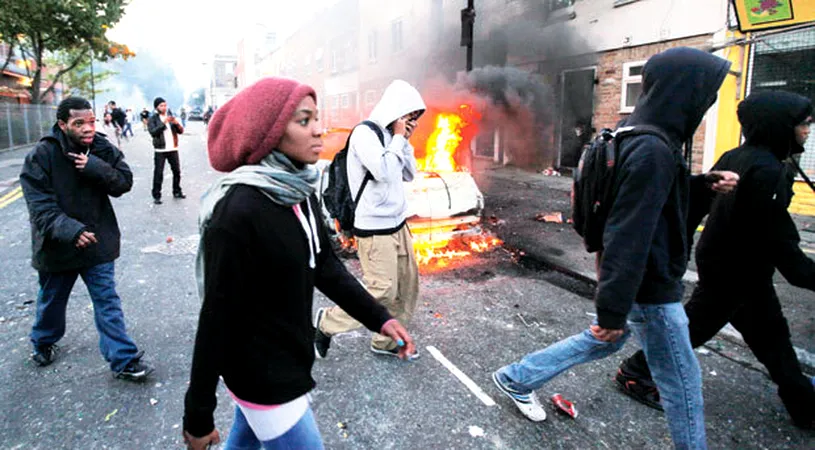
479 315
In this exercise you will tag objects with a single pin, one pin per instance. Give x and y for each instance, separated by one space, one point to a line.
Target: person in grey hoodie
385 245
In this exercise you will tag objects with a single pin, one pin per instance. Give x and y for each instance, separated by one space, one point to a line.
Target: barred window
786 62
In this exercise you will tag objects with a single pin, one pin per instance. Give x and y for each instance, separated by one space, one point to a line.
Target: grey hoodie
383 206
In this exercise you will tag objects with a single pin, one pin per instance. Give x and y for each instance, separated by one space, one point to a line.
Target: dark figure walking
748 235
67 181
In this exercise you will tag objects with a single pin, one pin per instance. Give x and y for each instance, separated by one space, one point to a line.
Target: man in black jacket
165 130
645 252
748 235
67 179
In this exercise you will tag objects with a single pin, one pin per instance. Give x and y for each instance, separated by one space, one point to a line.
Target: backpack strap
368 176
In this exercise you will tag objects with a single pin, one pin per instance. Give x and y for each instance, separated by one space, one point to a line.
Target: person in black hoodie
645 252
747 237
263 250
67 180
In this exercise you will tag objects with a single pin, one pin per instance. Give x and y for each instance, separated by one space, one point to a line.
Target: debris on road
495 221
564 406
476 431
111 414
549 217
550 172
153 402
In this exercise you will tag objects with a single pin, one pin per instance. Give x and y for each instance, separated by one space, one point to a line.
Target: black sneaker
179 195
641 389
44 356
321 340
135 371
394 352
157 201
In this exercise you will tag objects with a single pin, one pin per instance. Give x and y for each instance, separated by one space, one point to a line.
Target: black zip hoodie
750 233
645 239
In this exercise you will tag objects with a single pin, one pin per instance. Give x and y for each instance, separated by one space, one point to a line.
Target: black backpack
593 190
337 196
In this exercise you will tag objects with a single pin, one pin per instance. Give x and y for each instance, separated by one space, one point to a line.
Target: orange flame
437 254
442 144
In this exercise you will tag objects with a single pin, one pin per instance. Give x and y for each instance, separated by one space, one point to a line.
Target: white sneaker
529 404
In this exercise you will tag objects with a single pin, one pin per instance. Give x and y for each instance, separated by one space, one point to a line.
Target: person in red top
263 251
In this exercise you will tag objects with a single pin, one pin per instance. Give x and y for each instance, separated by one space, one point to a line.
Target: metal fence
24 124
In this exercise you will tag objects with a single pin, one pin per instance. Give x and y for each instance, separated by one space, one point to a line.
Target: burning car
444 202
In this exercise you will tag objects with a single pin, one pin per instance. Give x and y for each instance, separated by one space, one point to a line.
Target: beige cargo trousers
391 275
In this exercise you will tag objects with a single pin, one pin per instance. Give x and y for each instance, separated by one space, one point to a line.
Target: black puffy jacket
63 201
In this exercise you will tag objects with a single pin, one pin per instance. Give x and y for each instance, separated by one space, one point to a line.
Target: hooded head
678 87
399 99
768 119
250 125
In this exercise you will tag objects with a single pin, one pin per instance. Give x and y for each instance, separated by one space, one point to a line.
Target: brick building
589 52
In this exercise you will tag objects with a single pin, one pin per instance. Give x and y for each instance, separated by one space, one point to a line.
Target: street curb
805 358
15 148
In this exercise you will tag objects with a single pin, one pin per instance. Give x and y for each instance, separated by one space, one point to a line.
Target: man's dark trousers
158 172
755 311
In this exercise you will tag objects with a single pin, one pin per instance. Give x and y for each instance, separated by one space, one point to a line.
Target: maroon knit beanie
250 125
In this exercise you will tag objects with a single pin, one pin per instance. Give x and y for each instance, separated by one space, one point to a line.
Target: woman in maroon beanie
263 251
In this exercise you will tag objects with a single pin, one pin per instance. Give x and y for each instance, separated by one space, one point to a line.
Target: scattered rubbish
564 406
493 220
158 385
549 217
550 172
342 426
476 431
153 402
110 415
703 351
427 303
175 426
713 372
591 314
527 324
2 319
437 315
516 306
28 302
169 239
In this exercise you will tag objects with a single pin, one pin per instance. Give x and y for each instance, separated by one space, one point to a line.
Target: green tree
78 81
73 29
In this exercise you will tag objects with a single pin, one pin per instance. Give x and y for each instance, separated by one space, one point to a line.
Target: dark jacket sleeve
646 178
701 198
224 266
155 126
770 203
43 207
334 280
178 128
111 170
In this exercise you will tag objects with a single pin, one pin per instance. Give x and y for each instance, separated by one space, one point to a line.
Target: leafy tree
79 80
70 29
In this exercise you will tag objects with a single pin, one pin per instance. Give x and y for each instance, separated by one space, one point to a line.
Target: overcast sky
187 33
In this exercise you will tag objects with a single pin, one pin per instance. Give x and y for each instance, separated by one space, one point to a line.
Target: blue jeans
304 435
663 332
52 301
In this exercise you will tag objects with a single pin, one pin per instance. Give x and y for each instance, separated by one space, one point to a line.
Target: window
334 101
396 35
372 46
631 86
307 65
318 60
334 58
345 101
370 98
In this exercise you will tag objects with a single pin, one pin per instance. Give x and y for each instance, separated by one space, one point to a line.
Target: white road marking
477 391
